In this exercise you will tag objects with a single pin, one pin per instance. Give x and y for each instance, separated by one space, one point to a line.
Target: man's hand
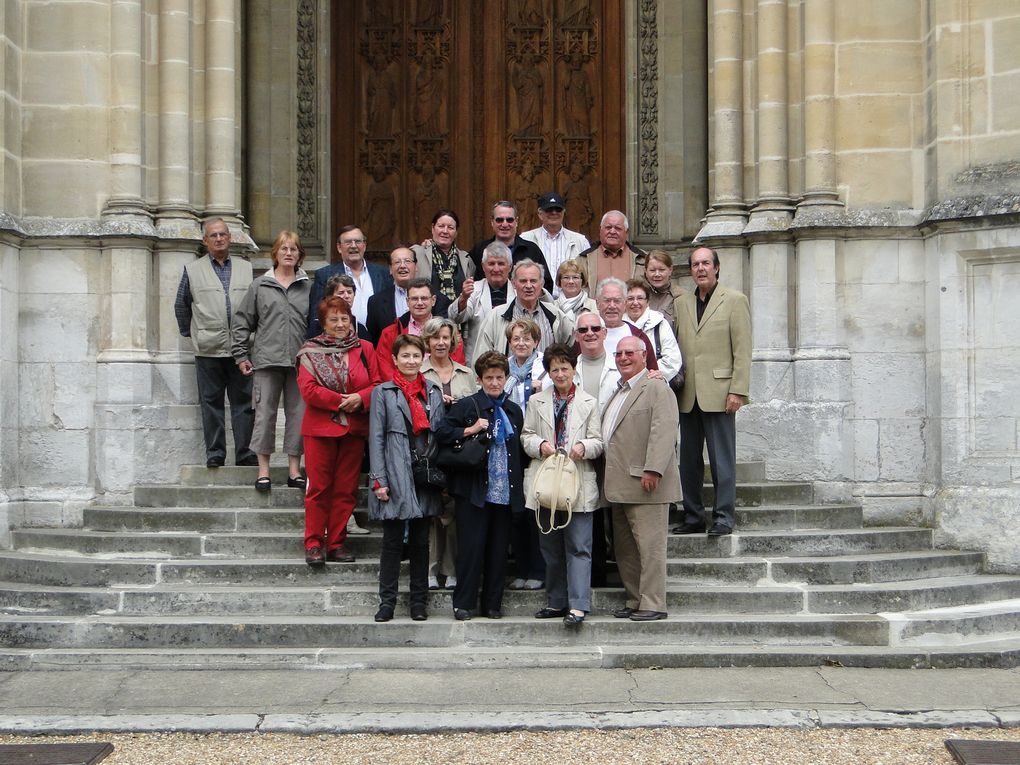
465 293
246 368
734 402
650 481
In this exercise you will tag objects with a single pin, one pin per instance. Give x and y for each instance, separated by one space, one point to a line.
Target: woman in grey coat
400 418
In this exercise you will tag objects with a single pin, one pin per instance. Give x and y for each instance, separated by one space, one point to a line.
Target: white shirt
616 404
614 335
399 300
364 291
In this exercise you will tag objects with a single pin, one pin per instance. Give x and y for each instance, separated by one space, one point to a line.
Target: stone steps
18 598
266 544
209 573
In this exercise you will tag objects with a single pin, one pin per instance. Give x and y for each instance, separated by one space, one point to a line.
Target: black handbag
424 470
469 453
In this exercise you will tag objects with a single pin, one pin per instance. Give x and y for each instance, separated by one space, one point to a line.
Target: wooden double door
459 103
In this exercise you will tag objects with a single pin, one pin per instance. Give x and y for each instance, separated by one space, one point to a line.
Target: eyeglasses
348 242
218 235
593 330
510 219
628 354
419 299
403 262
611 301
636 299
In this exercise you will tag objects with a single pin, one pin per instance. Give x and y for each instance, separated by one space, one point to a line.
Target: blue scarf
522 374
503 428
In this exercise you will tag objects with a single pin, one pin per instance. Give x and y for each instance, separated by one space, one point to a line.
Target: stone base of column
822 374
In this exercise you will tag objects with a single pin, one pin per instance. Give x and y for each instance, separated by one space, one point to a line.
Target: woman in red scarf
399 428
336 374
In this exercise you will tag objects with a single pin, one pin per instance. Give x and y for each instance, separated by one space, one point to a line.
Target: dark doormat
984 752
53 754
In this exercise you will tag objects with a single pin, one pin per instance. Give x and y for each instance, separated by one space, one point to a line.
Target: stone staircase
208 573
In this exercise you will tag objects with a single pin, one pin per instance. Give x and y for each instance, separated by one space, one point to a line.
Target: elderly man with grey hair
610 297
613 256
478 298
555 326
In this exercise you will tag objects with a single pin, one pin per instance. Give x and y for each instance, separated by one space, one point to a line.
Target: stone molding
19 229
648 118
307 114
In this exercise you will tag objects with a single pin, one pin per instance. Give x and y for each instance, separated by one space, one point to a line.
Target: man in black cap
504 229
558 243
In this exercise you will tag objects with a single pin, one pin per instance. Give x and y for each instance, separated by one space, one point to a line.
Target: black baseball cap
551 199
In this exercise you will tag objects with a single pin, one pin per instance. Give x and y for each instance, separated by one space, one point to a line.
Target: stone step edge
982 654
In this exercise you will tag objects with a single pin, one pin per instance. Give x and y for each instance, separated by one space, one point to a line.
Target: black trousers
483 535
389 560
524 542
719 431
216 377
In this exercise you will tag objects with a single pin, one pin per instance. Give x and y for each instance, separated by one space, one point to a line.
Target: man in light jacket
558 243
210 288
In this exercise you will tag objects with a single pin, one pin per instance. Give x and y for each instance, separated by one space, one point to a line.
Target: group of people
529 351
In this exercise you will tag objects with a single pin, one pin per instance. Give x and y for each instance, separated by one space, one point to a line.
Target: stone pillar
727 214
174 109
773 150
220 109
126 110
819 105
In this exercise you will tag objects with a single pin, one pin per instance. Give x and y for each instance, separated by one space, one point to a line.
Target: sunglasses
628 354
589 330
505 220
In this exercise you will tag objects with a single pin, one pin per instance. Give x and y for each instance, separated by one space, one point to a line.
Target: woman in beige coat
564 417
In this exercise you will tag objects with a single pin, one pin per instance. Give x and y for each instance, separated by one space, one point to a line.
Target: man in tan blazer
713 326
639 425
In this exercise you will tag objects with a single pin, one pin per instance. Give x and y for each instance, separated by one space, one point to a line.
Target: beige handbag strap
555 462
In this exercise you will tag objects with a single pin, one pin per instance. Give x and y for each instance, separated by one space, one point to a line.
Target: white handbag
557 484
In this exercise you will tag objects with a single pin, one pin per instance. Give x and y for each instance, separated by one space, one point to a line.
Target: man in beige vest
639 425
210 287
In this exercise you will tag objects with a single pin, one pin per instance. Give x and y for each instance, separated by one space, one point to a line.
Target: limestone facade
855 164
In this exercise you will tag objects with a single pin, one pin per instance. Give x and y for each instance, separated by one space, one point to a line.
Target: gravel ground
644 746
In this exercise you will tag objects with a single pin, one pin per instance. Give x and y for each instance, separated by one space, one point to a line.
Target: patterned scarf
443 268
503 427
561 410
520 375
414 392
571 306
325 356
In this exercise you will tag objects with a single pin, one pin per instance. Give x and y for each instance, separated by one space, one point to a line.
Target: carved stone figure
575 13
426 198
429 96
430 13
525 193
381 95
530 12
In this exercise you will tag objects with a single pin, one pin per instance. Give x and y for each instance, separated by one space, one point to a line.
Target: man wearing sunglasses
504 229
558 243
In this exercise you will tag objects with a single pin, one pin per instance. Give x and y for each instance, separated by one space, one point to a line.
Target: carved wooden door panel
458 103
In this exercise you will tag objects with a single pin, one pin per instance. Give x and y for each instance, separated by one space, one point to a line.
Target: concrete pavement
317 701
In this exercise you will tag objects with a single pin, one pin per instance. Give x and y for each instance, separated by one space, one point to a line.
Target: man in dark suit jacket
386 305
504 228
369 278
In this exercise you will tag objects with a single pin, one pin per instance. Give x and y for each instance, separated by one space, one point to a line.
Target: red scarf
414 392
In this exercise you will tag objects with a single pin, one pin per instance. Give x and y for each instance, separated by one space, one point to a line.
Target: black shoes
314 557
340 555
550 613
623 613
718 530
418 612
297 482
647 616
214 462
263 484
461 614
384 614
494 614
688 528
251 461
573 620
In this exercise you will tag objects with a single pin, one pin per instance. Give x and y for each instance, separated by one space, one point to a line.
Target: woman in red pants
336 374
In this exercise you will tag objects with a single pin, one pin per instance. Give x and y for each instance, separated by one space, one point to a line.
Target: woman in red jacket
336 374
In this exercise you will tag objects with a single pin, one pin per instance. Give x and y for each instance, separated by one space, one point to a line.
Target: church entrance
460 103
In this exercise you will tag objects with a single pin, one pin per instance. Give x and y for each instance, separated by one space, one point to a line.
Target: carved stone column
773 149
174 109
220 109
126 110
819 104
728 211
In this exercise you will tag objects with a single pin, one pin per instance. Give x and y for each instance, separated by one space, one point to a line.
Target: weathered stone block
66 78
865 450
981 518
901 449
75 134
867 68
57 458
875 321
888 384
878 20
61 395
68 26
53 328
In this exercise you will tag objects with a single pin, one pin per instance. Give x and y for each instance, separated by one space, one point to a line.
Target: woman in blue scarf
526 378
484 499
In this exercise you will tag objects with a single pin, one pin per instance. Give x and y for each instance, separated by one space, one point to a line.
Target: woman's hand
480 425
350 402
245 367
382 494
448 400
577 451
546 449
